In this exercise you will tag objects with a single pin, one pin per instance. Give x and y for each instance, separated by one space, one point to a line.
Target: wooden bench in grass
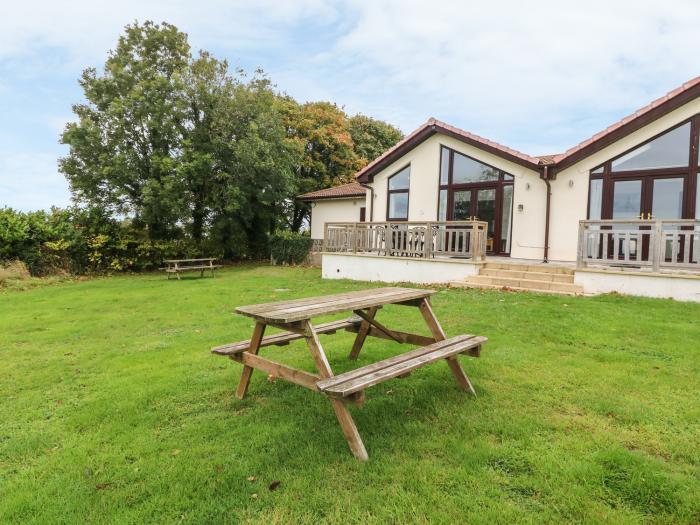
294 317
177 266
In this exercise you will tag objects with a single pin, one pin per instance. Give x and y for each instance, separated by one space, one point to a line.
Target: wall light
571 183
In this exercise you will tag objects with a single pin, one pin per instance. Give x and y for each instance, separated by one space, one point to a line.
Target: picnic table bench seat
284 338
354 381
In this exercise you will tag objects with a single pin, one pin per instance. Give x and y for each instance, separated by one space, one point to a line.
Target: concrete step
536 276
539 268
527 284
467 284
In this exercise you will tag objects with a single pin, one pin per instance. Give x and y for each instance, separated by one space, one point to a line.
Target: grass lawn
114 411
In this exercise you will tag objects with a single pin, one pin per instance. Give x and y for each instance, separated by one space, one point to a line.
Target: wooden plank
284 338
345 388
347 424
406 338
291 312
379 365
258 333
293 375
256 308
362 334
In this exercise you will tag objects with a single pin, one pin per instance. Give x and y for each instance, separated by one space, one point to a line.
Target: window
466 170
697 196
597 171
595 203
397 208
670 150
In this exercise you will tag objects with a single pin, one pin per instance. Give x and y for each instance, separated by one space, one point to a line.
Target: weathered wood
439 334
373 367
284 338
362 333
347 424
290 311
405 338
376 324
380 372
275 369
258 333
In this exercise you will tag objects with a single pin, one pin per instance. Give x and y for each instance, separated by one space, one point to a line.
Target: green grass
114 411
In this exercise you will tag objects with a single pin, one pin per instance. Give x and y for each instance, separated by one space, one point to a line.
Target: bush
289 248
13 270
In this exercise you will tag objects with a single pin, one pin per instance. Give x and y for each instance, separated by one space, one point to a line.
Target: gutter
545 177
371 200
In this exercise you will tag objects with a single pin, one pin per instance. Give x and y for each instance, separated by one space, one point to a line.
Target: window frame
390 192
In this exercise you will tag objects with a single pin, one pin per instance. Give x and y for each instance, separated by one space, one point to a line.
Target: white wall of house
334 210
529 191
570 189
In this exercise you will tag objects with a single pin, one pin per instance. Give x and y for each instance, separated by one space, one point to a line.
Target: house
617 212
345 203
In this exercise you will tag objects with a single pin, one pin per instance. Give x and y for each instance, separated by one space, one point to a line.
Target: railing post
326 241
428 240
659 243
354 237
582 248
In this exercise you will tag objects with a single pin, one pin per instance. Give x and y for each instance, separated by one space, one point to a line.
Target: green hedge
289 248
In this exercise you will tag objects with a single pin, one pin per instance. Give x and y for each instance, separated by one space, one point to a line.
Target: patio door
482 204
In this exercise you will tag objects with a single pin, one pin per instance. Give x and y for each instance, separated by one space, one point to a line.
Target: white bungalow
617 212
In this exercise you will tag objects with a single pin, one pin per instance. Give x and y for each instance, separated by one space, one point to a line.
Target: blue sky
538 78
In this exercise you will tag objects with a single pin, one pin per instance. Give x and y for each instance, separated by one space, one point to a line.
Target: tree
320 130
372 137
124 147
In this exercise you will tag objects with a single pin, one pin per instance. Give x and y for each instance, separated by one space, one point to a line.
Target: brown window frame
390 192
688 173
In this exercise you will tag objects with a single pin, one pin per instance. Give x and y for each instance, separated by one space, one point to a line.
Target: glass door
486 211
666 202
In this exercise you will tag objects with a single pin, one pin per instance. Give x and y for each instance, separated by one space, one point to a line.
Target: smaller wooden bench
349 383
177 266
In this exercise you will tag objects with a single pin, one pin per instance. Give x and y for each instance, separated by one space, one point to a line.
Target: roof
343 191
640 118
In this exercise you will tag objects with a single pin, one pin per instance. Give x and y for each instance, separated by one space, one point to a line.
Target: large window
471 189
397 205
657 179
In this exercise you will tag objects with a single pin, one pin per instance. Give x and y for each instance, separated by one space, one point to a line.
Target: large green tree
372 137
123 147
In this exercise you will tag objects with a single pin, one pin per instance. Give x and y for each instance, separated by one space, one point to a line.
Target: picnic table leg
347 424
362 334
439 334
258 333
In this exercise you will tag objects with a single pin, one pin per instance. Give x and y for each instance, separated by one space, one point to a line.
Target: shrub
289 248
13 270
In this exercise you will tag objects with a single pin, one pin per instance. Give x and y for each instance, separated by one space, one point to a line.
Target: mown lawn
114 411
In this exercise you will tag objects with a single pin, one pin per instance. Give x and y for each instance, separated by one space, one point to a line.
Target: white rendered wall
395 269
679 287
334 210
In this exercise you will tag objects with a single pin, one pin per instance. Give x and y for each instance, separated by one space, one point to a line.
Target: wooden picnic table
295 318
177 266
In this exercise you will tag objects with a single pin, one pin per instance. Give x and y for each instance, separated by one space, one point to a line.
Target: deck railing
653 245
408 239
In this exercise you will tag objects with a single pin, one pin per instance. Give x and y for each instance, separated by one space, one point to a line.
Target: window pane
697 197
506 214
462 205
442 208
667 199
670 150
400 180
465 170
507 177
627 199
398 205
444 166
598 170
596 199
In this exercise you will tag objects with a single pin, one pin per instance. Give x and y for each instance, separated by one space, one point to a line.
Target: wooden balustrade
654 245
408 239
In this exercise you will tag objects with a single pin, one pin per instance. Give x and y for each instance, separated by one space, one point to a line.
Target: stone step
528 284
539 268
466 284
536 276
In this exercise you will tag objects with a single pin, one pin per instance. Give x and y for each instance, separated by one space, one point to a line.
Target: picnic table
177 266
295 318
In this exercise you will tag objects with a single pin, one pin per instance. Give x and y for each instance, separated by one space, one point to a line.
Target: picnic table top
189 260
304 309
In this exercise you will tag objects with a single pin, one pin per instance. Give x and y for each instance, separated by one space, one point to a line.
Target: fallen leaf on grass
251 478
274 484
175 452
103 486
218 468
253 496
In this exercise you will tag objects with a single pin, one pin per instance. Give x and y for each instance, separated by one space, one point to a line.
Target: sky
536 76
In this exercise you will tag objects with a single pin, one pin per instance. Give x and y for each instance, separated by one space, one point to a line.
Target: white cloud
30 181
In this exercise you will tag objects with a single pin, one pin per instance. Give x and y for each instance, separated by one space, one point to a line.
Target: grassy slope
113 410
